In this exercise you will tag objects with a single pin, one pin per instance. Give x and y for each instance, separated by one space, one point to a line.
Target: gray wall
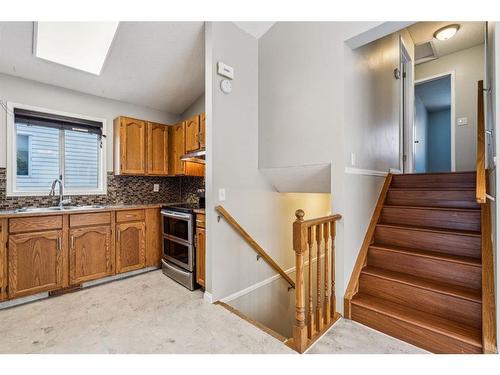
420 136
196 108
439 145
28 92
468 66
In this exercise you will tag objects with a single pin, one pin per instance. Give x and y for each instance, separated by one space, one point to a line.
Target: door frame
450 73
406 105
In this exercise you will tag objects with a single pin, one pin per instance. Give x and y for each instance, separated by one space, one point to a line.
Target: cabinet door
177 149
132 146
35 263
3 259
130 246
200 256
91 255
202 130
157 149
192 134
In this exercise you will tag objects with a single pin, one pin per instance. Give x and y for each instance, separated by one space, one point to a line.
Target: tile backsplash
121 190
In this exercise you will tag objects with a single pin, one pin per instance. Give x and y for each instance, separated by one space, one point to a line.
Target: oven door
178 225
178 252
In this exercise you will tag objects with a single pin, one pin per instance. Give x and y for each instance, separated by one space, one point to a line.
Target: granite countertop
117 207
199 211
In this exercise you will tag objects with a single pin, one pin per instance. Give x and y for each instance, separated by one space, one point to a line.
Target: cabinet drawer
99 218
200 220
129 215
34 223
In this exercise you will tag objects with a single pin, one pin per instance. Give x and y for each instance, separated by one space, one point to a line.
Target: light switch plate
156 188
225 70
461 121
222 195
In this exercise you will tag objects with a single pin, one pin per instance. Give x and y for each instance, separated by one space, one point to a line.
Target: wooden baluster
332 295
326 235
310 320
299 246
319 302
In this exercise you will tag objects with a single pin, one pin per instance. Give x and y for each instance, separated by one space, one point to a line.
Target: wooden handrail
253 244
309 327
481 147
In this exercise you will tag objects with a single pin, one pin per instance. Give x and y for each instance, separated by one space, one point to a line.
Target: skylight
79 45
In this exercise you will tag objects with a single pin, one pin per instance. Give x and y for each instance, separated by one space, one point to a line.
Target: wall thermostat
225 70
226 86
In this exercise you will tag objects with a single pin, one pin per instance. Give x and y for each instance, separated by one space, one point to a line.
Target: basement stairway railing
253 244
487 283
318 316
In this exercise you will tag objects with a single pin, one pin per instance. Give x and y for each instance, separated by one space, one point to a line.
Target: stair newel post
319 302
332 292
326 236
310 315
299 246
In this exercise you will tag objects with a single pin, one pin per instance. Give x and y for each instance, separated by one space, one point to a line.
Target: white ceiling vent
425 52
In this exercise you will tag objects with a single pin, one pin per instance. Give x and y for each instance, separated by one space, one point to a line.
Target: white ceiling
470 34
255 28
159 65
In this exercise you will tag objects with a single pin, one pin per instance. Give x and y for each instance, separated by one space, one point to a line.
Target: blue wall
421 120
439 141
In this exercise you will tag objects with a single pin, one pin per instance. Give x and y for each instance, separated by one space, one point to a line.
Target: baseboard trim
365 172
207 297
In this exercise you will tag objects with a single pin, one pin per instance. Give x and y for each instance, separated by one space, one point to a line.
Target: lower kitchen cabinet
35 262
200 256
130 246
3 259
91 254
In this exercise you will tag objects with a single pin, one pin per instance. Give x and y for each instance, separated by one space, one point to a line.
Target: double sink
57 208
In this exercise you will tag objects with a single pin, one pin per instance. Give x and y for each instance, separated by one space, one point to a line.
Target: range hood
197 156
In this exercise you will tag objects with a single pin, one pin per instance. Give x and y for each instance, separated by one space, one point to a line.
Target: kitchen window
45 145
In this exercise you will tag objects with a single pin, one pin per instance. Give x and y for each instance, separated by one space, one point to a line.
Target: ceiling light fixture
446 32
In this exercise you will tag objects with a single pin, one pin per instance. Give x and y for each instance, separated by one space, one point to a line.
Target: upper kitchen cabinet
177 148
140 147
157 149
130 146
195 133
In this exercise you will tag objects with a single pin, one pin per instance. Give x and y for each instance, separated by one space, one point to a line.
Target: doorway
433 145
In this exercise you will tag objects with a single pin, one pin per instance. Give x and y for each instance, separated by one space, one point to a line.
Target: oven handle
176 215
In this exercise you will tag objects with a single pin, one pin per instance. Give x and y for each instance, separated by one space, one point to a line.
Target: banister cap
299 214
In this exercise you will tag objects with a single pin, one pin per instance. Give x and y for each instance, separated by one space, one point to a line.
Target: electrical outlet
156 188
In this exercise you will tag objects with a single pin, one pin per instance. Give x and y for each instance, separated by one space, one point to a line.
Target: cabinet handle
72 242
118 234
59 244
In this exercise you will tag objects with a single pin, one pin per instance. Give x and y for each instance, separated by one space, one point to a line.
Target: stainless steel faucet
52 193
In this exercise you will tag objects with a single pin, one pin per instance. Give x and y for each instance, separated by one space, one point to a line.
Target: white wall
197 107
23 91
468 66
232 164
318 102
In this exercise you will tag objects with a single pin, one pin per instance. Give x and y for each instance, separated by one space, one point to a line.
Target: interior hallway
150 313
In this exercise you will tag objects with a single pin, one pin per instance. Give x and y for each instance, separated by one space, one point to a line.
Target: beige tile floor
150 313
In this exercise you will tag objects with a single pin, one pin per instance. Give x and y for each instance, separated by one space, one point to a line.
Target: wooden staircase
419 273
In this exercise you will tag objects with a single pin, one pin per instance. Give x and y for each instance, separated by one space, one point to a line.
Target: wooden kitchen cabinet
35 262
154 232
130 146
157 149
200 256
177 148
192 134
91 254
130 246
202 130
3 259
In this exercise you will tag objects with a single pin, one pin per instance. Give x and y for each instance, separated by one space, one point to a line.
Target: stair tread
432 229
433 208
419 282
429 254
428 321
434 188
